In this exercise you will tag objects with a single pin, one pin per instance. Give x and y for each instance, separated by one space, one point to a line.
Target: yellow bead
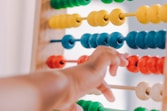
53 22
76 20
153 14
141 14
102 18
115 17
62 21
163 13
91 18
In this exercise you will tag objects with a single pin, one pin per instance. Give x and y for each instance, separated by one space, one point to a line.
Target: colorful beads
91 106
134 39
59 61
144 109
146 40
146 64
156 92
98 18
115 17
142 91
58 4
64 21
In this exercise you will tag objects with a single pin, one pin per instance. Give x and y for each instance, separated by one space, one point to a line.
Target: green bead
119 1
55 4
140 109
107 1
84 2
155 110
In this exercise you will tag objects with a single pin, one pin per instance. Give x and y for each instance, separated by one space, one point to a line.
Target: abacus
50 41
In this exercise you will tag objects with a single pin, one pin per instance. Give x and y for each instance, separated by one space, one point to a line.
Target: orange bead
152 65
133 63
142 65
160 64
82 59
56 62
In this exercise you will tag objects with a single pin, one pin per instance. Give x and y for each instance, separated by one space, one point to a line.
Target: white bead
156 92
142 91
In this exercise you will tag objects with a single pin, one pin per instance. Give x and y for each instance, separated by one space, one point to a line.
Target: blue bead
68 42
160 39
116 40
140 38
92 40
130 39
85 40
149 39
102 39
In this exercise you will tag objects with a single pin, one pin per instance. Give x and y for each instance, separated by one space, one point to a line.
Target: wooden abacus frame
43 12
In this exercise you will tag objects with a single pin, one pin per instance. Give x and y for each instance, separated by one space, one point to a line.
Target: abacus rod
122 87
71 61
123 15
54 40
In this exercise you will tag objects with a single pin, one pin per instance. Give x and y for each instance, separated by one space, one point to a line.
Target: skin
60 89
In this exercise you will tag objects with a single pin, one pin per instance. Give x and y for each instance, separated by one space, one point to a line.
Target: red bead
142 65
152 65
133 63
160 64
82 59
56 62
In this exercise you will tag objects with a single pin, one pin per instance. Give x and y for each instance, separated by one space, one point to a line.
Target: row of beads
60 62
144 109
88 105
144 14
58 4
144 91
146 64
134 39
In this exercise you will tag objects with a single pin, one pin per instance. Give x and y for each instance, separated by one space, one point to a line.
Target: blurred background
16 32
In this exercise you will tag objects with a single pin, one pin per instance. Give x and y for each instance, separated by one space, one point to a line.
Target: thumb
77 108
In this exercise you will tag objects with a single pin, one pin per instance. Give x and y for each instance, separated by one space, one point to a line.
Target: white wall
16 35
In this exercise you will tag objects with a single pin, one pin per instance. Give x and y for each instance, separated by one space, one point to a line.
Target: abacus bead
53 22
96 106
92 40
149 39
156 92
68 42
116 40
160 39
107 1
142 65
163 13
56 62
154 110
130 39
54 4
152 65
141 91
102 39
91 18
132 63
140 109
153 14
82 59
75 20
102 18
119 1
115 17
84 2
160 64
140 38
85 40
141 14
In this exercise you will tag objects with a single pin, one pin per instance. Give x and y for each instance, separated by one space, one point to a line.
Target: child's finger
105 89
